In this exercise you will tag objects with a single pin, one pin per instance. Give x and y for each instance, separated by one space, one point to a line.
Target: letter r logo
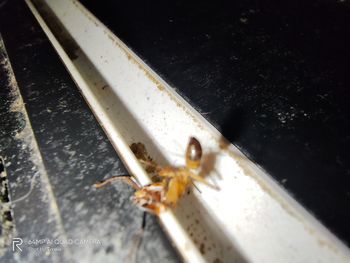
16 242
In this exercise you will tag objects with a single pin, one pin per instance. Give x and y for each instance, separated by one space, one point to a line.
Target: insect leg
201 180
143 225
124 178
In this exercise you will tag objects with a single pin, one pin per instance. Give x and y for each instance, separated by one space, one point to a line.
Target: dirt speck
202 248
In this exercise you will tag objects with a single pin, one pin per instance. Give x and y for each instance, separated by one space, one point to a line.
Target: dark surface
23 167
63 152
272 76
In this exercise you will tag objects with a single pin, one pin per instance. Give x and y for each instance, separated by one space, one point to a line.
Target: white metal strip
251 216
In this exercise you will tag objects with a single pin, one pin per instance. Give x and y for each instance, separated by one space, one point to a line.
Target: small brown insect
174 181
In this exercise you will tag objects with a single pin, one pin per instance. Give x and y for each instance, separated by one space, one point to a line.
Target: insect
173 181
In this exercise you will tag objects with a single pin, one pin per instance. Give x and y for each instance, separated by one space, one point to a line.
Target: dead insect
173 184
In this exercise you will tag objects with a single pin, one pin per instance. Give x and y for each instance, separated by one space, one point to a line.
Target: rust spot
223 143
153 79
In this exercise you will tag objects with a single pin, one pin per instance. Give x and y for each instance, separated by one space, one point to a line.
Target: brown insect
173 181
